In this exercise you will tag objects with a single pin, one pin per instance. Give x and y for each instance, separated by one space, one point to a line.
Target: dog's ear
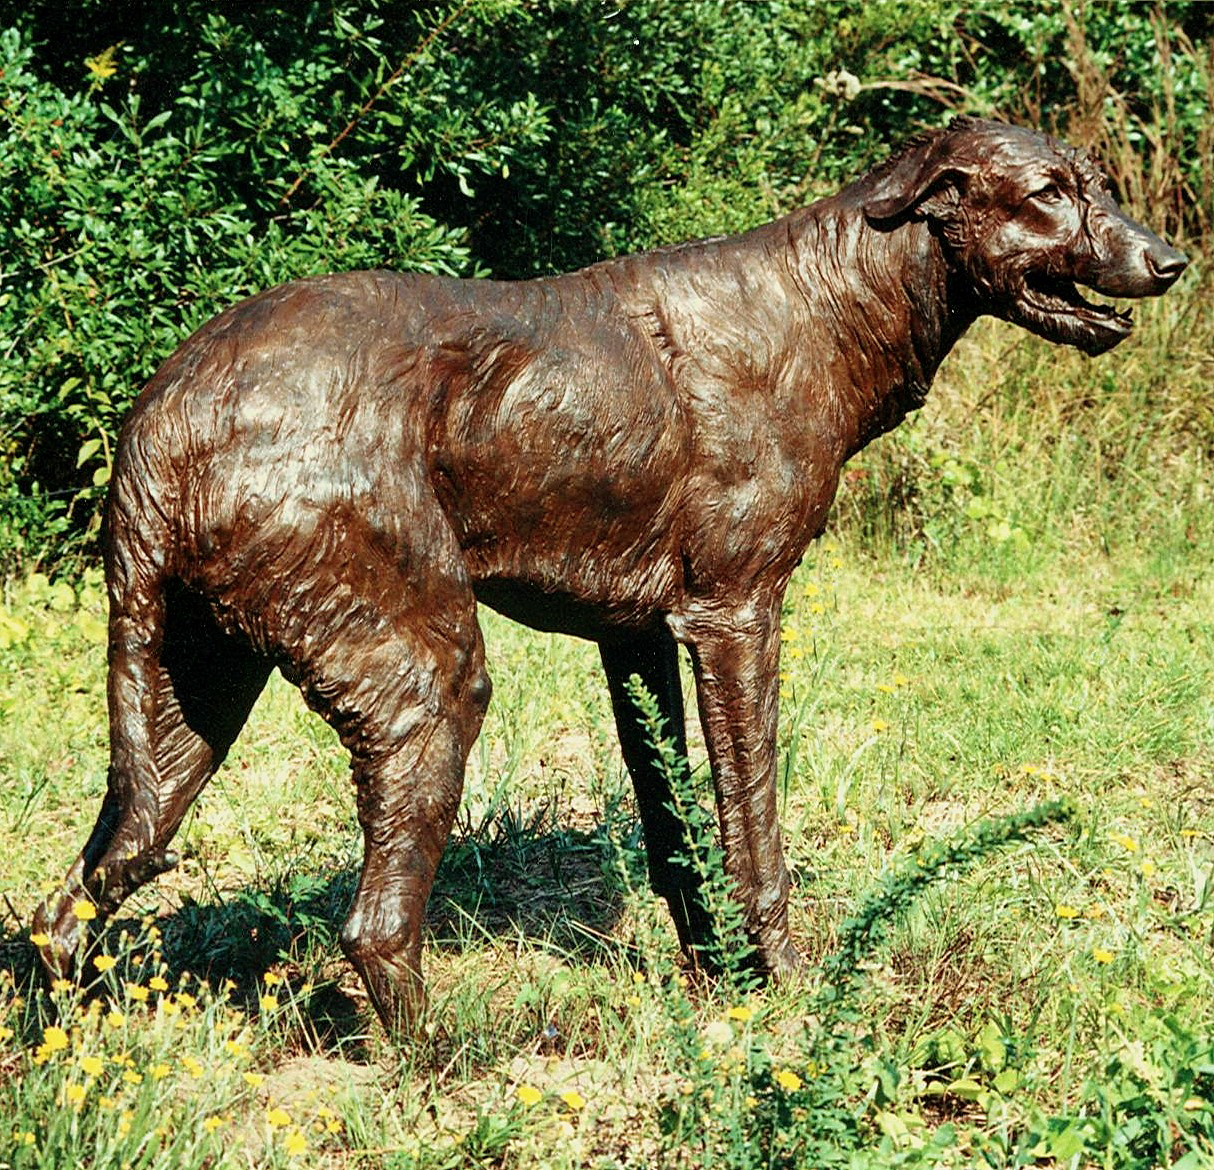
928 179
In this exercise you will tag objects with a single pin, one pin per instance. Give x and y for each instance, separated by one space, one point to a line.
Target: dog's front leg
735 651
652 656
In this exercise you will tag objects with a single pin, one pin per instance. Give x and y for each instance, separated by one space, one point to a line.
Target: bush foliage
161 161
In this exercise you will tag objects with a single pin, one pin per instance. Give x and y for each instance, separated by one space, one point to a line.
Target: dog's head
1025 218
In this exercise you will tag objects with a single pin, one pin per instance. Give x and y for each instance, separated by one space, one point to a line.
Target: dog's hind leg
384 643
653 658
180 689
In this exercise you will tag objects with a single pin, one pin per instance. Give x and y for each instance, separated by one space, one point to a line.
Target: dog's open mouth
1053 297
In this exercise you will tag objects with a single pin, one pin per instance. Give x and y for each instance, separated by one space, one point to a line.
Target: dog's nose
1167 263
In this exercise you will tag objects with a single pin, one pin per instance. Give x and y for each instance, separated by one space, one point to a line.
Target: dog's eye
1050 193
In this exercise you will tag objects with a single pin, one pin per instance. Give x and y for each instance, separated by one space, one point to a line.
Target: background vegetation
160 161
1014 609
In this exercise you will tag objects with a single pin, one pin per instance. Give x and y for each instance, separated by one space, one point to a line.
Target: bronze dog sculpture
329 476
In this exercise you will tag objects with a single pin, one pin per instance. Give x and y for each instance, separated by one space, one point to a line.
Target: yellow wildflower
158 983
574 1100
131 1077
104 963
54 1039
880 725
529 1095
92 1065
212 1123
295 1144
252 1079
40 940
61 985
268 1003
1128 843
84 910
192 1066
115 1019
270 979
1101 955
277 1118
159 1071
742 1014
788 1080
137 992
1062 910
74 1094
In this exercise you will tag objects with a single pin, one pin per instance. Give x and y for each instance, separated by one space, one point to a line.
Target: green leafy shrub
160 162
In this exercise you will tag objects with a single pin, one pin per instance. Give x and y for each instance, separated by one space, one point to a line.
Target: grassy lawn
1023 627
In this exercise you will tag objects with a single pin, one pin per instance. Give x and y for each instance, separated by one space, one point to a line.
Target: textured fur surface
329 476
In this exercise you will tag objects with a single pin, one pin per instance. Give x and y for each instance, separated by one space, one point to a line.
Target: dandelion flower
885 688
741 1013
295 1143
84 910
529 1095
192 1066
40 940
1148 868
900 680
252 1079
105 963
93 1066
1128 843
159 1071
1062 910
115 1019
574 1100
54 1039
137 992
633 1001
278 1118
158 983
1101 955
131 1077
268 1003
270 979
212 1123
880 725
788 1080
74 1094
61 985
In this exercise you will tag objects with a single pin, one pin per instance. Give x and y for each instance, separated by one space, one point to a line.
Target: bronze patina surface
329 476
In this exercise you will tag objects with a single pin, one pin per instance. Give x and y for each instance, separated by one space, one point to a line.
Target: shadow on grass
510 876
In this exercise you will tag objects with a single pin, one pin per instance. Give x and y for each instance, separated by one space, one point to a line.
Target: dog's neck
904 315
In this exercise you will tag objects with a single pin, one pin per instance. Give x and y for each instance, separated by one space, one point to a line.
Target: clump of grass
738 1103
127 1068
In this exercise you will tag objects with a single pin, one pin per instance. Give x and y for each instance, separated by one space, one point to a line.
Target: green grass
1033 622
